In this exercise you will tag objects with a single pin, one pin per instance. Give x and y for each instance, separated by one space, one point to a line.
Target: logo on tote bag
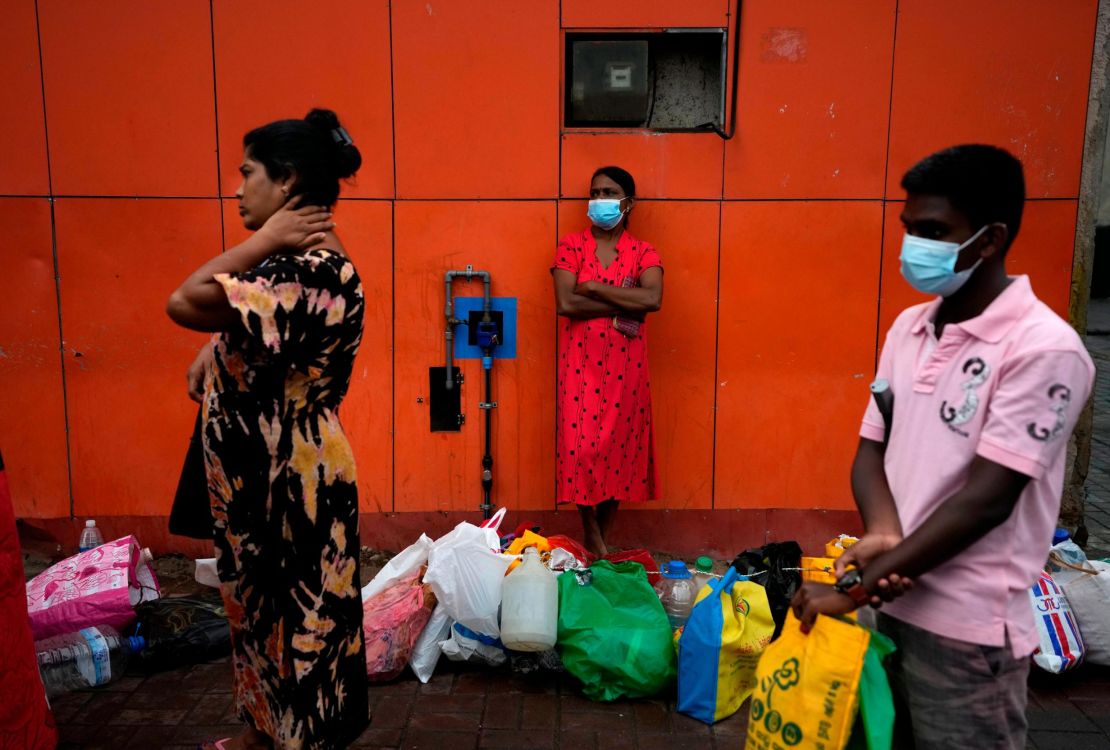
783 678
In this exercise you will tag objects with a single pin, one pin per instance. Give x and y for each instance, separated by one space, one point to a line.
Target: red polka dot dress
604 446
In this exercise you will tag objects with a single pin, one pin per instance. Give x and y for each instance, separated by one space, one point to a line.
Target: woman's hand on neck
330 241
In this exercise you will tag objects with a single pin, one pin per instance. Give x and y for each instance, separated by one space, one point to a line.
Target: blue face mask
605 213
929 265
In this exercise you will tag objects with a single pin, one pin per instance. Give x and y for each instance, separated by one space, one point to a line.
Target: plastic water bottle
703 572
90 537
88 658
677 592
530 606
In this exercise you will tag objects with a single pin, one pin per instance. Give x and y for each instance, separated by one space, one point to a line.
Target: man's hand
815 599
299 228
195 375
860 554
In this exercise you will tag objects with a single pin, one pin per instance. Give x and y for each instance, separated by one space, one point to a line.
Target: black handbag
191 514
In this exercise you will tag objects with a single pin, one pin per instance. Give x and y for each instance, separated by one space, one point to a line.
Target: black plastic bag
191 514
770 565
181 631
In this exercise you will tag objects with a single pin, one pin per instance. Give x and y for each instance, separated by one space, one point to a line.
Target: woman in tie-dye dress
286 307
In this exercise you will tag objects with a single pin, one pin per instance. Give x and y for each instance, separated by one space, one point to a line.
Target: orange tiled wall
118 154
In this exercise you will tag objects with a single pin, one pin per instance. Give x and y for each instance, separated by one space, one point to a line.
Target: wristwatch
851 583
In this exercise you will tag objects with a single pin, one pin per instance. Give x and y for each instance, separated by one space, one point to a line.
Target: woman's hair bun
347 158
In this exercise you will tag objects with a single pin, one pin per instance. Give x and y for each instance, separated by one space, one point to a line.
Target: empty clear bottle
676 591
88 658
90 536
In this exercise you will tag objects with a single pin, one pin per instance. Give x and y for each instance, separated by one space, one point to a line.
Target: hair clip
339 135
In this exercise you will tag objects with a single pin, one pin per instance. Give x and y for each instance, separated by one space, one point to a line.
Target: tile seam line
57 268
216 122
886 178
392 273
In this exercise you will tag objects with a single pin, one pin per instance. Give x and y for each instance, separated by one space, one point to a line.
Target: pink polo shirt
1007 385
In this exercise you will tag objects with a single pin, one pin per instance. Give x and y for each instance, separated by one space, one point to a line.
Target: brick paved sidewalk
461 707
471 707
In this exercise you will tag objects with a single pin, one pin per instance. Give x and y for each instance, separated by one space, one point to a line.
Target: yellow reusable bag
819 569
808 686
834 548
728 629
528 539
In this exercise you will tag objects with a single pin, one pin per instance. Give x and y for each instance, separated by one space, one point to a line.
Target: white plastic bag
404 564
1089 597
1066 561
466 645
466 574
426 651
206 572
1061 645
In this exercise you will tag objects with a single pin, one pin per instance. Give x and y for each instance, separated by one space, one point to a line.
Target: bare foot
595 545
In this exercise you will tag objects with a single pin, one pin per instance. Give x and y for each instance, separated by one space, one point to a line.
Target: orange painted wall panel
670 165
681 354
796 350
515 242
366 230
813 100
645 14
1022 86
476 99
32 424
343 67
801 259
1043 250
125 361
23 169
129 97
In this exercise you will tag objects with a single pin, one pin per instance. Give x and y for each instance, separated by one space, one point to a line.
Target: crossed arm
593 299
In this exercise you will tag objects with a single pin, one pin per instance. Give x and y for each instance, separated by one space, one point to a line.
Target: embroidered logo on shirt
953 416
1059 395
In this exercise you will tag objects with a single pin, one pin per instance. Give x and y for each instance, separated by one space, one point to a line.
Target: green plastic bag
874 727
613 633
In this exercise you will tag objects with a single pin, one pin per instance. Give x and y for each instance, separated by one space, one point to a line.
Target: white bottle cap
90 523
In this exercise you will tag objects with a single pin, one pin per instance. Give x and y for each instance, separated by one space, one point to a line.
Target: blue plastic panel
506 306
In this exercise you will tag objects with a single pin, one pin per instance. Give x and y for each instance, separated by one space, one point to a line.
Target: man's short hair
984 183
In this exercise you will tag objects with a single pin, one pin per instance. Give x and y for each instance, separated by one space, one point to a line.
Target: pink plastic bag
392 620
100 586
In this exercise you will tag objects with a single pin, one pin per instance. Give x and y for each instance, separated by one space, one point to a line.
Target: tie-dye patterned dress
281 478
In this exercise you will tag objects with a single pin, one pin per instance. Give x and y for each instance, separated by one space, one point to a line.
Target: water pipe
452 321
487 339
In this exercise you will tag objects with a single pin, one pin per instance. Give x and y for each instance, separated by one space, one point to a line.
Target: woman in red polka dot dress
606 282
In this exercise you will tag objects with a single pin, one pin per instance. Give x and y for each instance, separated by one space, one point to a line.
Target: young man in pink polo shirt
960 491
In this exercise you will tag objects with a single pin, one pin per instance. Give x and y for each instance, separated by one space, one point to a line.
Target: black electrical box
666 80
609 81
445 405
